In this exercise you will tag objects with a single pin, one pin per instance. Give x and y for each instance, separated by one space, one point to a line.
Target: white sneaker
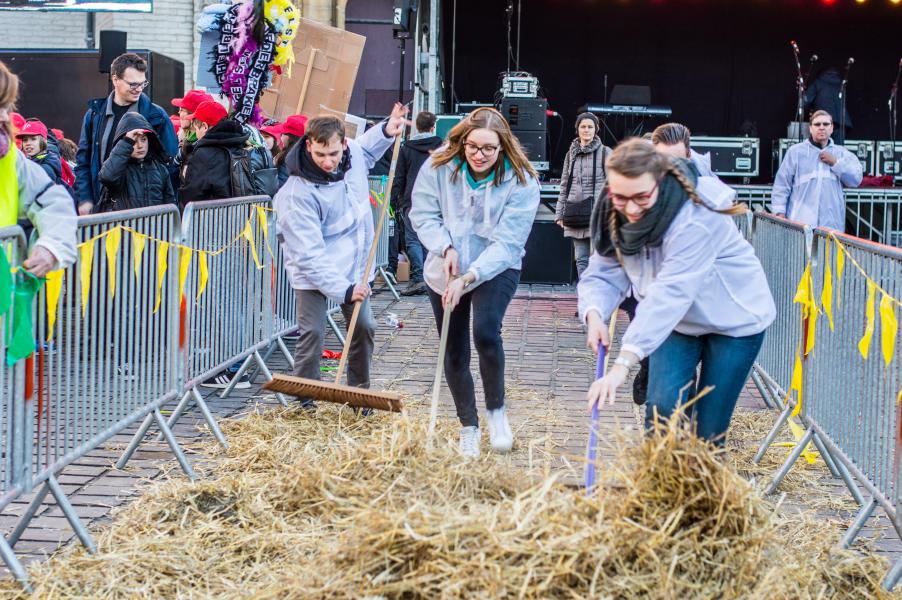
500 435
469 441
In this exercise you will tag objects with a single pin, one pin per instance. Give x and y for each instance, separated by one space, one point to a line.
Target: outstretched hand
397 120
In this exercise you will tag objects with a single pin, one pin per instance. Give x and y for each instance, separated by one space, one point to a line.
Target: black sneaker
640 383
414 288
222 381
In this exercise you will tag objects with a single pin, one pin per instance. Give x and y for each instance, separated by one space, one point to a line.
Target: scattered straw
329 506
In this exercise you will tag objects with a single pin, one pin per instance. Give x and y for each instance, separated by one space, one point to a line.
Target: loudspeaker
525 114
549 256
112 44
533 143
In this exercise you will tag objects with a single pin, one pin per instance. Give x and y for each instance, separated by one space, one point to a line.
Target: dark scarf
302 165
650 229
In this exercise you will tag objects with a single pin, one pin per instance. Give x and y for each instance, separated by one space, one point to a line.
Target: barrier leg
12 563
860 519
772 434
173 444
789 462
204 409
850 482
136 441
285 352
334 326
252 373
238 375
828 458
29 515
267 375
176 414
387 278
892 577
71 515
763 390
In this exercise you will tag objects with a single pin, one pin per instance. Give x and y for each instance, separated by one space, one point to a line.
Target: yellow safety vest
9 189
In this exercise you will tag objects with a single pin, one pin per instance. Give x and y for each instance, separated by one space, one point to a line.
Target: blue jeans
415 250
582 248
488 303
725 365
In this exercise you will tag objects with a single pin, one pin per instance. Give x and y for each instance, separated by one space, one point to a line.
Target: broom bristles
332 392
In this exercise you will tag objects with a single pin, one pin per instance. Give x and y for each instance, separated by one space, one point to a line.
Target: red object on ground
331 354
880 181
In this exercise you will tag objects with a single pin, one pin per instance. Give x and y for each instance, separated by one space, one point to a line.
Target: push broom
592 449
336 392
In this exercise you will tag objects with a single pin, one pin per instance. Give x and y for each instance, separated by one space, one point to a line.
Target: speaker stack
527 115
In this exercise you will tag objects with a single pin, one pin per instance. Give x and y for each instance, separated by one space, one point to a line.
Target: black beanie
587 115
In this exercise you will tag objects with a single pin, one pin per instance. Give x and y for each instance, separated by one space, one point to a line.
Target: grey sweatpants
311 313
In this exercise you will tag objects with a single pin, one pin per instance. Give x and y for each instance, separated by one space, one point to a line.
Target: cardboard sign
323 75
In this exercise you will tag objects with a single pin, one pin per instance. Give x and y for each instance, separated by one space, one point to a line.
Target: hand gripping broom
592 449
336 392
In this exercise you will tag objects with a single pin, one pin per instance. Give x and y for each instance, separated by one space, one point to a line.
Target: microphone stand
842 101
893 106
800 92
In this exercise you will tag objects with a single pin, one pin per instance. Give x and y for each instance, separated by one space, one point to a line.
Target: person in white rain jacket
472 207
809 184
703 297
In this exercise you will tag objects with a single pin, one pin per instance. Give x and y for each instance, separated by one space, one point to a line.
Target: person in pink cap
32 137
272 135
290 132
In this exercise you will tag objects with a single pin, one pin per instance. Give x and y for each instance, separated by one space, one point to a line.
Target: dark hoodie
130 183
823 94
208 175
301 164
413 154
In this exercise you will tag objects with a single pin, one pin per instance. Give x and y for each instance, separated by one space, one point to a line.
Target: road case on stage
731 156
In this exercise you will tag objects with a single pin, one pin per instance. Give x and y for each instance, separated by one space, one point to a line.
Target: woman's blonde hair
491 119
635 157
9 91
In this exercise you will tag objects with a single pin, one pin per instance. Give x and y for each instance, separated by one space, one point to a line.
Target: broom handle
437 383
592 450
352 325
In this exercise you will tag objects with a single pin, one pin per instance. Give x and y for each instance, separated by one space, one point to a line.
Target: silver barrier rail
377 193
873 214
103 357
226 315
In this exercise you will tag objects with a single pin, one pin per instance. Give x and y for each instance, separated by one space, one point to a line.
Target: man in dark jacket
208 174
823 94
129 77
412 156
136 173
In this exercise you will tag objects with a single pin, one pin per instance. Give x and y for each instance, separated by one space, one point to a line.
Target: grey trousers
311 314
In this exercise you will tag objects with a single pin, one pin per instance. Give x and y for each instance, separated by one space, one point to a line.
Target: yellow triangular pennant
889 326
840 263
827 291
86 258
162 262
264 225
798 433
248 234
184 264
113 238
796 383
203 274
139 240
54 289
864 345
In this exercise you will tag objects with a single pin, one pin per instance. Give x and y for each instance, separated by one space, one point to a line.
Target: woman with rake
703 297
473 206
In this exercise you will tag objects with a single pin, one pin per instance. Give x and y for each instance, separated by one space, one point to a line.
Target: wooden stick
306 83
437 383
371 258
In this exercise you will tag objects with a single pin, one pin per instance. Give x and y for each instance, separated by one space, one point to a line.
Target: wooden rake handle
437 383
371 258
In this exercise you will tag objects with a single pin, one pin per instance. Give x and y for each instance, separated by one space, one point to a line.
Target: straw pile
333 507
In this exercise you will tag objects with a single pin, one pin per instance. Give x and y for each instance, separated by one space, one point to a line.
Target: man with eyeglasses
808 187
129 76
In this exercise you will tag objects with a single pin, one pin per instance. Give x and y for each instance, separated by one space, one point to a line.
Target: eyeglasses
487 150
138 86
640 200
822 124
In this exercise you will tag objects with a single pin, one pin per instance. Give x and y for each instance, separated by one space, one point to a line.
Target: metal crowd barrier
377 191
873 214
850 407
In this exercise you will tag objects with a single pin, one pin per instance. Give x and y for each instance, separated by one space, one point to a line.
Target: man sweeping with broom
325 227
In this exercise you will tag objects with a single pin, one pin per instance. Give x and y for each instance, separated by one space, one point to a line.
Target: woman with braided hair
703 297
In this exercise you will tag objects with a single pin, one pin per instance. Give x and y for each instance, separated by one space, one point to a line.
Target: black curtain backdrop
717 63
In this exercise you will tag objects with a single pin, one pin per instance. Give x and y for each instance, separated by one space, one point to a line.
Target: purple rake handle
592 450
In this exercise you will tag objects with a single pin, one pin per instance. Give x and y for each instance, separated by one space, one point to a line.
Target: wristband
623 362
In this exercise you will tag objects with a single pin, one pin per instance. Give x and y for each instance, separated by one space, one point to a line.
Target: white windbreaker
703 279
49 207
808 190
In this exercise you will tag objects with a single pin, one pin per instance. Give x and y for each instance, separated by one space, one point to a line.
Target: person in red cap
290 132
272 135
220 142
187 105
32 137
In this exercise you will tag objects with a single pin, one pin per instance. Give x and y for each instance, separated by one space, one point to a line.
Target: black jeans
488 303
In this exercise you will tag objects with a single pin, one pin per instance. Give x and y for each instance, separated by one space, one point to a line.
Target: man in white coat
809 184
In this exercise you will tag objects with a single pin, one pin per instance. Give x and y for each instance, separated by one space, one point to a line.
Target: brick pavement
548 370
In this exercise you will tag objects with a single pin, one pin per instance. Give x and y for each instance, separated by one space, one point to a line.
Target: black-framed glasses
487 150
640 200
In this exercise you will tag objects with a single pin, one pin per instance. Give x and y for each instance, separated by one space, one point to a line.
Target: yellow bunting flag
54 288
162 263
804 294
889 326
248 234
184 264
203 274
798 433
827 292
261 217
139 240
796 383
113 239
840 263
86 257
864 345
